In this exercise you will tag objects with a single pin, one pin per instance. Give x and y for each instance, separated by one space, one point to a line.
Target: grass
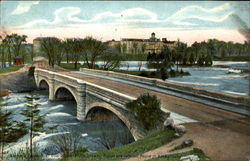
176 157
153 141
10 69
182 146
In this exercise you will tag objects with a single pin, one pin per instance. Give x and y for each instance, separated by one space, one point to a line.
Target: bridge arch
43 84
65 93
119 113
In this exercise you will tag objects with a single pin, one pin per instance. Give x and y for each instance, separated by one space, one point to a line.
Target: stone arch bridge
89 98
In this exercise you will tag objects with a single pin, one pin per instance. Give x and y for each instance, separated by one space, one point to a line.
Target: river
63 115
223 76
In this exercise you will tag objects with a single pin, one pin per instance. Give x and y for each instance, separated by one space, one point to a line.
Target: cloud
24 6
68 15
217 14
192 16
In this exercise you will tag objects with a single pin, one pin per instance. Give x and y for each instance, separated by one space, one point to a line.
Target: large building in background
151 45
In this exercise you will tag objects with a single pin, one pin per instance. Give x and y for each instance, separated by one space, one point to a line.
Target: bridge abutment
51 89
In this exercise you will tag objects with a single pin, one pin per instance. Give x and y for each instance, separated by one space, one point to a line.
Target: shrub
23 154
68 143
172 73
143 74
31 71
147 109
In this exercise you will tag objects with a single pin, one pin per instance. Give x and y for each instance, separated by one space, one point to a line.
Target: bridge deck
184 107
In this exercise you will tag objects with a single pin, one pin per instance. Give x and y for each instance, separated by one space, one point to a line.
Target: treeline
11 46
88 49
201 53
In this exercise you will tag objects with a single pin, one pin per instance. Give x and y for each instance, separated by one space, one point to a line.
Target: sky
188 21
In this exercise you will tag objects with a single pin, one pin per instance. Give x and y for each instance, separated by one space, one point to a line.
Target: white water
62 114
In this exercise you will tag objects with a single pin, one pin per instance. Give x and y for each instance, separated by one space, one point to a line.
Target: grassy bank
10 69
139 147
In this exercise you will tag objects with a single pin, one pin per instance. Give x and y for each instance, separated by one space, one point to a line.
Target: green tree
180 50
10 131
147 109
7 44
35 121
17 41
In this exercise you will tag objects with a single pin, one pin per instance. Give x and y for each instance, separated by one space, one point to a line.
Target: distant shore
233 58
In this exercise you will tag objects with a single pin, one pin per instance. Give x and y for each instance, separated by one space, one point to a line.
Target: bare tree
142 52
111 58
68 143
108 136
92 50
51 47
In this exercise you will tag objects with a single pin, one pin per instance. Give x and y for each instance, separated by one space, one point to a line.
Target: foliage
12 45
35 121
139 147
68 143
23 154
31 71
10 131
10 69
163 62
147 109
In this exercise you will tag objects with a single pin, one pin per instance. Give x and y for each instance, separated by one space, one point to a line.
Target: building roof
132 39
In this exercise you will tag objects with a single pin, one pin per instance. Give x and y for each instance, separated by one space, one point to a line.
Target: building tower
153 36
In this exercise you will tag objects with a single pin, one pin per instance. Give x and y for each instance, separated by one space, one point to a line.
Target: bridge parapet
108 95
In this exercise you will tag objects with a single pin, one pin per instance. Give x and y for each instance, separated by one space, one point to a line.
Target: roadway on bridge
227 132
194 110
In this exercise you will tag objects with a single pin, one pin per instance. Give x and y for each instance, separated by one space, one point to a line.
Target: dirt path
222 135
217 143
163 150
